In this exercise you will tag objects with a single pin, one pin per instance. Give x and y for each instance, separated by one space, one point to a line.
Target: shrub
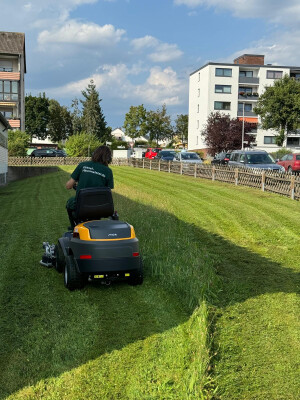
18 142
82 145
118 145
280 153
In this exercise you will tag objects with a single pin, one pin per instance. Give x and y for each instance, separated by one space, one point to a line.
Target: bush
18 142
280 153
118 145
82 145
141 143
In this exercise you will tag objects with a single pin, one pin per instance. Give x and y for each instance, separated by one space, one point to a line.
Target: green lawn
217 316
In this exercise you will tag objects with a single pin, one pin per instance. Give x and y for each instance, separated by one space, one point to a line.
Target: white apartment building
234 89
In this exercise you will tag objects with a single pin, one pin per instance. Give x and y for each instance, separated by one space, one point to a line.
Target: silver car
188 157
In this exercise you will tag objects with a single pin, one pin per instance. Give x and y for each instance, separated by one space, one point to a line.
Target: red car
152 152
290 162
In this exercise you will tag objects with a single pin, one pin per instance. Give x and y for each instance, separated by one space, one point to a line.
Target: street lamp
243 126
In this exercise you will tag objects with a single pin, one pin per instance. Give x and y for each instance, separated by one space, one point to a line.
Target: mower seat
93 203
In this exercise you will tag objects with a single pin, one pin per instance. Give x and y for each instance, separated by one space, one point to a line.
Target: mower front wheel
72 278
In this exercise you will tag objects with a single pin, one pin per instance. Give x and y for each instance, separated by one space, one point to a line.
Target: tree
181 127
279 107
18 142
76 116
224 134
36 116
159 124
93 121
135 123
60 122
82 145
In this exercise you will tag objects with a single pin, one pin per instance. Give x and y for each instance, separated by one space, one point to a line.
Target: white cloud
161 86
287 12
162 52
79 33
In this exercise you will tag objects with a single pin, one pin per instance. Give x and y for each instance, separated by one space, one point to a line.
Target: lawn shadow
48 330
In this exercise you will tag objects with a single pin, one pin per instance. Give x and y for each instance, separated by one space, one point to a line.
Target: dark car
290 162
60 153
166 155
47 153
221 158
258 159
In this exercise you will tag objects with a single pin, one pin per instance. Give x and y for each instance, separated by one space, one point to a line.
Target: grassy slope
186 227
253 238
99 343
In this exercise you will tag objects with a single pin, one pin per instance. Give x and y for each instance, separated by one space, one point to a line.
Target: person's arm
74 177
71 182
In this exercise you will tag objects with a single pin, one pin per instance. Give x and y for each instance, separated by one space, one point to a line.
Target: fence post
293 187
150 164
236 176
143 163
181 168
195 172
263 180
159 165
169 166
213 173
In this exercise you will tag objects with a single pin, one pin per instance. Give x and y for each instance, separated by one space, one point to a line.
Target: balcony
14 123
248 80
247 114
9 76
248 97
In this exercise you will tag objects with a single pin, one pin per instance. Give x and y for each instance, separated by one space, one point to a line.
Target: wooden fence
265 180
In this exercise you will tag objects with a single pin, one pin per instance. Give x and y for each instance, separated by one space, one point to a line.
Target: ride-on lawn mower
97 249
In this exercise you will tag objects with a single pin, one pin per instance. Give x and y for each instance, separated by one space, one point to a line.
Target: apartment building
234 89
12 70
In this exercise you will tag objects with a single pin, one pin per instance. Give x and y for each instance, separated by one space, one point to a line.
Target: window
292 141
248 74
274 74
198 108
222 105
7 114
196 140
223 72
248 107
198 92
198 76
245 90
222 88
197 123
9 90
6 66
269 140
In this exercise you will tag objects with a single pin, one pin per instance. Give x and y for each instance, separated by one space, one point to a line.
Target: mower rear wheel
137 277
59 258
72 278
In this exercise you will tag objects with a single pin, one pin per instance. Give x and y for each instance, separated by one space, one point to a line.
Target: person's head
102 155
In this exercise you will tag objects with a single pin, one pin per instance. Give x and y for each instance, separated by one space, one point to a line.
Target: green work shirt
90 174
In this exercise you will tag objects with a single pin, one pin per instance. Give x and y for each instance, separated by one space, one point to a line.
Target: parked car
60 153
221 158
48 153
188 157
258 159
166 155
290 162
152 152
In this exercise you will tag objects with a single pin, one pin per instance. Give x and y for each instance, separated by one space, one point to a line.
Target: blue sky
142 51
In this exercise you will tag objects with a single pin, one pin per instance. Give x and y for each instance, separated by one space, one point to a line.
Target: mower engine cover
105 246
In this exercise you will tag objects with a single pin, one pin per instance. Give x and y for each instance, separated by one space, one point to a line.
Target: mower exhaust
48 258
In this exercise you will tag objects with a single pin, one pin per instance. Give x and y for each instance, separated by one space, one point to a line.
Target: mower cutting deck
97 249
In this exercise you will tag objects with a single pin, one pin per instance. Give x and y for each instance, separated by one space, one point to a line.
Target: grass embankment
235 248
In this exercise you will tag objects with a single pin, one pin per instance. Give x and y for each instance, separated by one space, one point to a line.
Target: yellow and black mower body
100 249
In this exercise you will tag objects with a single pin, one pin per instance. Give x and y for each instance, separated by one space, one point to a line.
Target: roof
4 121
246 65
13 43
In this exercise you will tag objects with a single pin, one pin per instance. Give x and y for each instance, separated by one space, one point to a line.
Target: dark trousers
71 218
